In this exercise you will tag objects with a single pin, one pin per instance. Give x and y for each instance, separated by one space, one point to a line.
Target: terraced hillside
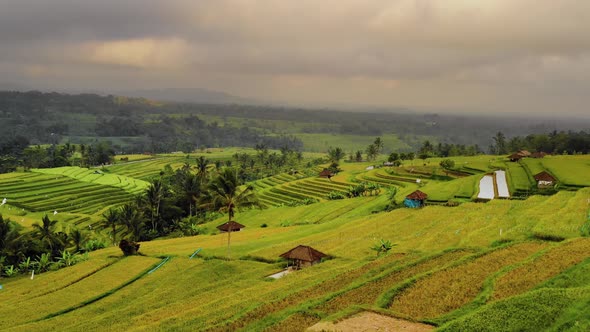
478 266
207 294
76 202
285 189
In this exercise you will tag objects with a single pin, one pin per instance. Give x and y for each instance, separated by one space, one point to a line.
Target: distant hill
188 95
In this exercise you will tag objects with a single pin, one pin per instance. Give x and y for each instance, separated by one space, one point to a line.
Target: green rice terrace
458 263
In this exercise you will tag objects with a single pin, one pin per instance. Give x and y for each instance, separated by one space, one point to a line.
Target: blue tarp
412 203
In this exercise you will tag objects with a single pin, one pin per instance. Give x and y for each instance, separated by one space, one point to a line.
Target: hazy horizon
490 57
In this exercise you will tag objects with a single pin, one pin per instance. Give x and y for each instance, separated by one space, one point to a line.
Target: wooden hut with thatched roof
415 199
303 256
230 226
544 180
326 173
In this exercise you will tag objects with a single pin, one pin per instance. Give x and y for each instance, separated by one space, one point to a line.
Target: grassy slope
195 294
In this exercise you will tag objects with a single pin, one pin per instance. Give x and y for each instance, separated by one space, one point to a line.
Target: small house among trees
230 226
303 256
544 180
415 199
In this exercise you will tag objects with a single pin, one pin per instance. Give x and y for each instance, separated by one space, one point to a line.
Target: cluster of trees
16 153
555 142
429 150
178 202
46 247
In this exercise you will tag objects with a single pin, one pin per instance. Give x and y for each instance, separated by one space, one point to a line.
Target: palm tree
131 218
47 235
78 238
378 144
202 163
110 220
227 196
154 195
191 188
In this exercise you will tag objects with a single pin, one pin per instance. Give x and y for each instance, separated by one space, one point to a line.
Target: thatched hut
415 199
230 226
326 173
544 180
303 256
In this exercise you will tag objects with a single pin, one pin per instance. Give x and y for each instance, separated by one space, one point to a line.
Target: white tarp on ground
486 187
502 184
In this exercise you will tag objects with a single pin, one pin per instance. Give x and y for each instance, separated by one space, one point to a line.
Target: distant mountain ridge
188 95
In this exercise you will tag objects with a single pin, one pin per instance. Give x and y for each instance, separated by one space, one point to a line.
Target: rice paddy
476 266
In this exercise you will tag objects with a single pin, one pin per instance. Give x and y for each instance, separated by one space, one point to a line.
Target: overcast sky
462 55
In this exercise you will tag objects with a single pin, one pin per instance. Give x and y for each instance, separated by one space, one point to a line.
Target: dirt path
369 321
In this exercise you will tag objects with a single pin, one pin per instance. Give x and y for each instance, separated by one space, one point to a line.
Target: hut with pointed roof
544 180
230 226
326 173
303 256
415 199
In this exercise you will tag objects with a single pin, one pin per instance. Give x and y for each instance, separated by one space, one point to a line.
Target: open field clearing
371 321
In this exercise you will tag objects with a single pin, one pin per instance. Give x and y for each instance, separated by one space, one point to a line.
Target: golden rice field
470 267
543 267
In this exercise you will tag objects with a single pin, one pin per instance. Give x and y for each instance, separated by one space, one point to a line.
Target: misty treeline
137 124
140 125
555 142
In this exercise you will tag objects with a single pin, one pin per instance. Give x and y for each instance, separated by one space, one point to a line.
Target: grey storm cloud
395 52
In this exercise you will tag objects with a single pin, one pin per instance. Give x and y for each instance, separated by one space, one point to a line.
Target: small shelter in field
544 180
326 173
303 256
230 226
415 199
524 153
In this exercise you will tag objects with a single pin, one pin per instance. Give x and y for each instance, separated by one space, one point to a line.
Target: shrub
10 271
548 237
336 195
129 247
94 244
263 226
